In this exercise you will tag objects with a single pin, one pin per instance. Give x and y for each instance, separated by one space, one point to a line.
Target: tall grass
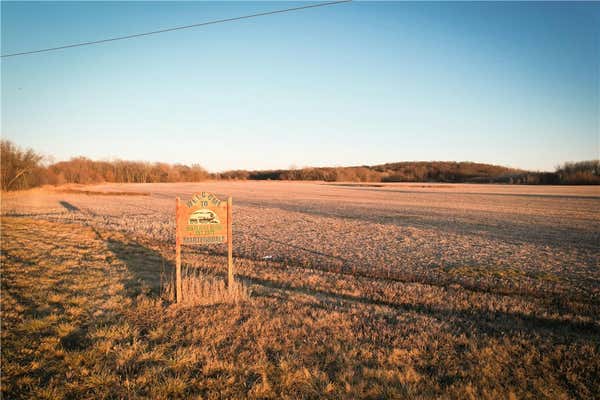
202 288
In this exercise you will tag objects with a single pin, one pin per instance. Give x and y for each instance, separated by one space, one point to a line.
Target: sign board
204 219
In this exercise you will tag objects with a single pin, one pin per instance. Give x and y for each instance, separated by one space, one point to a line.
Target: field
345 291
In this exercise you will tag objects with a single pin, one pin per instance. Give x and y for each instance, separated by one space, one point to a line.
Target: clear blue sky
515 84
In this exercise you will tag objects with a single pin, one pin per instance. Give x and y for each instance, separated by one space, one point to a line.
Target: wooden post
229 243
177 254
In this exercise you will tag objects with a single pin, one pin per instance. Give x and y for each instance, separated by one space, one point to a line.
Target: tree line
574 173
23 169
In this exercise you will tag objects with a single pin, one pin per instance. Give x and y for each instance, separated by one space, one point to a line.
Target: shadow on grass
494 323
305 249
469 321
149 268
436 277
70 207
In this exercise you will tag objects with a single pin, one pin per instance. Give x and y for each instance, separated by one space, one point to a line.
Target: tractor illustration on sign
203 216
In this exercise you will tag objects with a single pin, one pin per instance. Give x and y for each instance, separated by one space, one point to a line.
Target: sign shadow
70 207
149 269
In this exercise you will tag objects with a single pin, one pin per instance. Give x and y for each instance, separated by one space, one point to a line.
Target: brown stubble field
346 291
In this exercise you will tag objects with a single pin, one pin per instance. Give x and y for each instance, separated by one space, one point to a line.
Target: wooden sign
204 219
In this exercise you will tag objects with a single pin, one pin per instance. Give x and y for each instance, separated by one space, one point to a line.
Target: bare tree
19 168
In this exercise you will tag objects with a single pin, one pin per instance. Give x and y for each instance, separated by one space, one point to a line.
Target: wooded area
23 169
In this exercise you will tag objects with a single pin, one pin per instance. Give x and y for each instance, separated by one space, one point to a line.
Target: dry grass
204 288
369 293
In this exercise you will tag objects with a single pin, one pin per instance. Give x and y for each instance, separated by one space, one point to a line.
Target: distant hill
409 171
571 173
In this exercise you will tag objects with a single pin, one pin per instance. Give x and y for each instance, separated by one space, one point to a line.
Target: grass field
345 291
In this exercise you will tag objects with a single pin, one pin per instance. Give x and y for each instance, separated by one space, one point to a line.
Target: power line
173 29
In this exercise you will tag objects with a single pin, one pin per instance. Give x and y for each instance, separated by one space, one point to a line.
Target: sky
360 83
